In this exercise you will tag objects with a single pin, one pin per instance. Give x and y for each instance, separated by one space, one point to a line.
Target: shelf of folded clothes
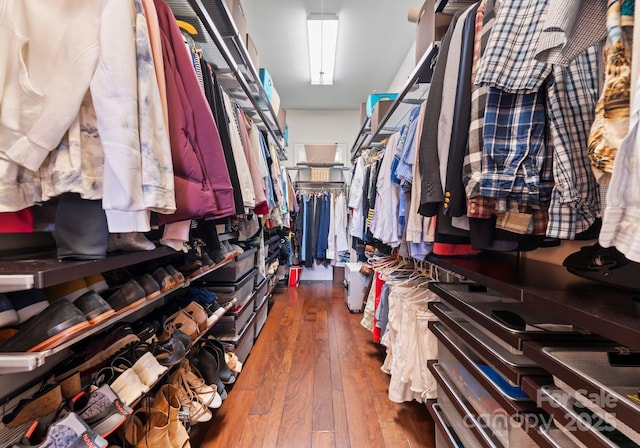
40 270
597 308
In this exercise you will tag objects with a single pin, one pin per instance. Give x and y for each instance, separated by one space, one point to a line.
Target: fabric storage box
234 320
227 291
430 27
234 270
242 344
320 153
379 111
282 118
252 51
261 314
275 101
373 99
237 14
267 82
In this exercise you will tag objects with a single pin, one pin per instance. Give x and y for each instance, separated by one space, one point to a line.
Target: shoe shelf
595 307
43 269
222 47
228 306
28 361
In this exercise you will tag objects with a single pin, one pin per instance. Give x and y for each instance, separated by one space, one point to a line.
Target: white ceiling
374 37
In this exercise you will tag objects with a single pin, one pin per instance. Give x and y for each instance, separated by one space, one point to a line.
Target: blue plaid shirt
514 145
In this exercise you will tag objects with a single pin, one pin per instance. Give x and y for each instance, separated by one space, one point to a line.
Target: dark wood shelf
47 270
595 307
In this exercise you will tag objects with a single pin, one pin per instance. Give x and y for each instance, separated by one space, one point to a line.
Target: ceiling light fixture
323 40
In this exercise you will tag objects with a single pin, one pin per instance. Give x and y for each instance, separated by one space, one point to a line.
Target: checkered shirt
471 169
571 95
514 145
508 62
571 27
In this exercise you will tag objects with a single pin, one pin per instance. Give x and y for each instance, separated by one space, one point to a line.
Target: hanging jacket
202 184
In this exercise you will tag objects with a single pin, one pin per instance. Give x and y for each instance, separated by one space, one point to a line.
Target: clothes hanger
187 27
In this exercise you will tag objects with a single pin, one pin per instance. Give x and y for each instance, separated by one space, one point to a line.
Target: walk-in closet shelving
414 91
28 361
566 368
594 307
226 51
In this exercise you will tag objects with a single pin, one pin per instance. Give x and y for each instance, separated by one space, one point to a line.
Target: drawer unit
463 417
261 315
510 363
468 370
445 434
601 377
260 293
236 269
507 319
227 291
575 421
242 344
234 320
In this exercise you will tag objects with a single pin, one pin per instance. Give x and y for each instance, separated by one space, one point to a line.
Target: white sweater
51 53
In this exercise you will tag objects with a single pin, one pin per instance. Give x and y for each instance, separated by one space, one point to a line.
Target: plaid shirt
514 145
471 169
571 97
571 27
508 62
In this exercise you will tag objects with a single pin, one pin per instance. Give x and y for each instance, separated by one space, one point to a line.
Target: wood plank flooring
313 379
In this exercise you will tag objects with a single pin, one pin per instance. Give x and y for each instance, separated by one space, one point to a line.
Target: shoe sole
153 295
61 337
102 317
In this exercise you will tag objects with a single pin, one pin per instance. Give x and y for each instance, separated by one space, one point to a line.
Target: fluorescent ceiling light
323 41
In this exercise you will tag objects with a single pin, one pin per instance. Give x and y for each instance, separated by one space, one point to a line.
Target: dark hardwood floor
313 379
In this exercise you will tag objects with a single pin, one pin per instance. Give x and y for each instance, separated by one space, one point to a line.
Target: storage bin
234 321
227 291
445 435
373 99
261 316
489 411
460 424
260 293
234 270
242 344
511 364
267 82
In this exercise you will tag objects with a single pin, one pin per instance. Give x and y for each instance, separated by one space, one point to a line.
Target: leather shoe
150 286
58 323
94 307
127 296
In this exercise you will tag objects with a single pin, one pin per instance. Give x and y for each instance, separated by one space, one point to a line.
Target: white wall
404 71
321 126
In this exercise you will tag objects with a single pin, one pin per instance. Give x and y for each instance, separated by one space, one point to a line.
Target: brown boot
167 401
